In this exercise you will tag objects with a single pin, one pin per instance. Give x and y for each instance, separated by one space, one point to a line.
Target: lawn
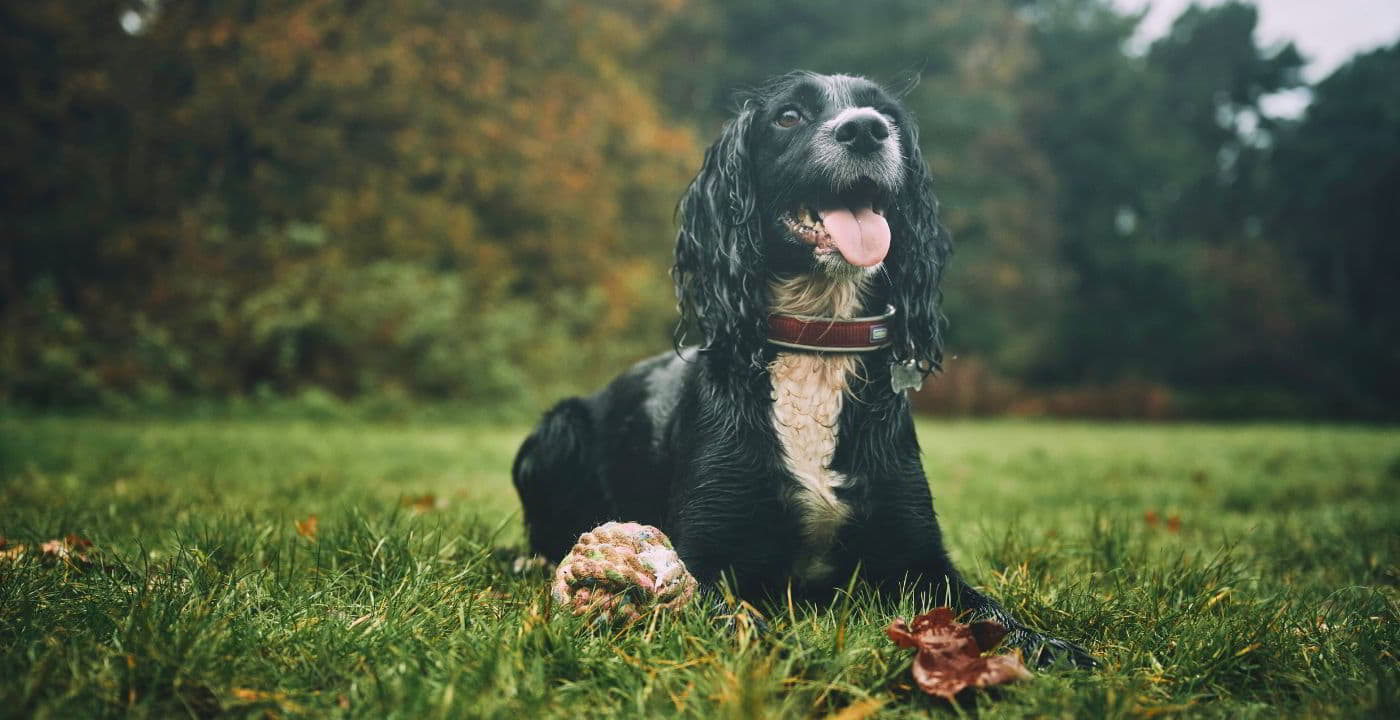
1217 571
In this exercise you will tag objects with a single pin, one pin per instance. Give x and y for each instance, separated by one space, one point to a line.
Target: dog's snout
862 131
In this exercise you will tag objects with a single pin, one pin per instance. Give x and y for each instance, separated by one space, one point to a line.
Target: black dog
782 450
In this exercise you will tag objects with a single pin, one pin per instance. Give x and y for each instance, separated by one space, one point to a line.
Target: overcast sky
1327 32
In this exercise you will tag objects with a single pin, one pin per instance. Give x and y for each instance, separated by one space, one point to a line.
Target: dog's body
771 465
799 477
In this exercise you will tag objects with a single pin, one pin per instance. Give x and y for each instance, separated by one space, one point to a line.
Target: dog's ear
719 261
918 254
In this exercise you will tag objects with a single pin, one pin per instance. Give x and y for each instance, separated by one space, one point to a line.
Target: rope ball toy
619 571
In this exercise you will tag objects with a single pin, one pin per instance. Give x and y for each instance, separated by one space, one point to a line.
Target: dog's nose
863 133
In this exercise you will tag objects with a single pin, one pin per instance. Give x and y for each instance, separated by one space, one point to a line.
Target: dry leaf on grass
66 549
58 550
307 528
1153 520
859 710
949 656
424 503
9 551
277 697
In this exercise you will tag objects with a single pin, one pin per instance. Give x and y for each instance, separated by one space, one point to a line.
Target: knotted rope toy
619 571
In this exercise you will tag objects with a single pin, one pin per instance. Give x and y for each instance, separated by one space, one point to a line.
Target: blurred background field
120 477
365 209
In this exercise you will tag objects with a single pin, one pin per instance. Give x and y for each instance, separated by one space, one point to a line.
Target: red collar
822 334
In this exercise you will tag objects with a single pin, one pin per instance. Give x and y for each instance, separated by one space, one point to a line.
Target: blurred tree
1332 202
1159 160
67 134
1211 79
1084 105
210 175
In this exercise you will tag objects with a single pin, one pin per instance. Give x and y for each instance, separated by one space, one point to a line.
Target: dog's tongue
862 235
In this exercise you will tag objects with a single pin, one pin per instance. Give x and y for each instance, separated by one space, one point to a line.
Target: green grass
1277 596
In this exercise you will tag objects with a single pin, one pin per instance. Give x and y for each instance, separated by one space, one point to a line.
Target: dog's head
815 174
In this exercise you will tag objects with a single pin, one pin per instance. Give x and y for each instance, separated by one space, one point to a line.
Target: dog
780 452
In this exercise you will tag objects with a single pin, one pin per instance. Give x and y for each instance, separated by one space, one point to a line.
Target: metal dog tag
905 376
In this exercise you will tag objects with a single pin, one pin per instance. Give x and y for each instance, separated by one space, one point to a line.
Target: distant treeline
471 201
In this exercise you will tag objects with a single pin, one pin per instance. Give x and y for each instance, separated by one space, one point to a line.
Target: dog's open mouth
851 223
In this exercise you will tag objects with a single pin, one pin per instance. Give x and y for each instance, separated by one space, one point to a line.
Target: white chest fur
809 391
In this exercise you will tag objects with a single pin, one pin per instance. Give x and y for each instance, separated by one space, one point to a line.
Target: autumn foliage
383 196
472 201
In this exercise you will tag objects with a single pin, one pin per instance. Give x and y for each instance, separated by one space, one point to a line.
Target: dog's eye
789 118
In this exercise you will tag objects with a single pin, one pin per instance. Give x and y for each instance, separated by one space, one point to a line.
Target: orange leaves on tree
949 653
509 154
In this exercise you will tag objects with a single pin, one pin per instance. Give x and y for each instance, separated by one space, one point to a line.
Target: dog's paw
1042 651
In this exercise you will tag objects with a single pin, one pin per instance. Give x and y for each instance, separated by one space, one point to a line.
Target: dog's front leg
725 532
730 537
1037 648
900 540
939 583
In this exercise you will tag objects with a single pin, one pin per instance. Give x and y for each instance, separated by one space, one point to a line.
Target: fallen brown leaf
858 710
424 503
11 552
307 528
66 549
949 653
277 697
